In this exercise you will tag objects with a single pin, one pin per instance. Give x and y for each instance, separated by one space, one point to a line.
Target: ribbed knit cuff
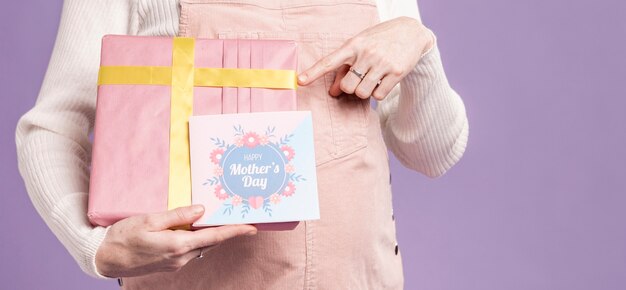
425 124
420 82
54 174
91 248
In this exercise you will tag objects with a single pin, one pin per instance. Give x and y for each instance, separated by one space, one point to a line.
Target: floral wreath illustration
249 142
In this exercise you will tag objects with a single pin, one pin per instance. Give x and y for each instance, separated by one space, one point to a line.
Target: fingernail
197 209
251 233
302 78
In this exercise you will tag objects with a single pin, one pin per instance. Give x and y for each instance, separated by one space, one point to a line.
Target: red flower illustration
220 193
289 190
288 152
251 140
216 155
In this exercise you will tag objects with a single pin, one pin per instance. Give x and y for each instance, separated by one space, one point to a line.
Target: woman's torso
353 245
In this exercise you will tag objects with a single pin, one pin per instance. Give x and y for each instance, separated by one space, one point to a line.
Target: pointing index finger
327 64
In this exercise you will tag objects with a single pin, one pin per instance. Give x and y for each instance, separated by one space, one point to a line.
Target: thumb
176 217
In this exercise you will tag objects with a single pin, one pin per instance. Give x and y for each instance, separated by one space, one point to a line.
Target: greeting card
253 168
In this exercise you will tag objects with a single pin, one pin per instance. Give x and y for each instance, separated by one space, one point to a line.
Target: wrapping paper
148 89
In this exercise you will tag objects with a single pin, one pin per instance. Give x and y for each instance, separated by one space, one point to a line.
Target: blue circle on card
256 171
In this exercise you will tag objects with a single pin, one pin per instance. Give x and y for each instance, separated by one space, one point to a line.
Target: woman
346 55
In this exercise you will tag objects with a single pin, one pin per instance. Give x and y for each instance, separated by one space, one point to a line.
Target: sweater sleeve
423 119
52 139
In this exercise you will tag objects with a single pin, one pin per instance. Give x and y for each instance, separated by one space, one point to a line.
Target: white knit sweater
424 122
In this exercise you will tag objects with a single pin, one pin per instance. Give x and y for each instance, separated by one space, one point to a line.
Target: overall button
120 282
396 249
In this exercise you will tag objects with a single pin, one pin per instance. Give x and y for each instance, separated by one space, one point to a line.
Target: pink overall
353 245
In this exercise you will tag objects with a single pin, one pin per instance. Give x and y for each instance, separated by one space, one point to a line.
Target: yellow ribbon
203 77
182 76
246 78
179 193
135 75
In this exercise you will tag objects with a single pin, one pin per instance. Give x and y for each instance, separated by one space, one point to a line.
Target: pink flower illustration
218 171
263 140
216 155
288 151
239 142
289 168
275 198
289 190
220 193
236 200
251 140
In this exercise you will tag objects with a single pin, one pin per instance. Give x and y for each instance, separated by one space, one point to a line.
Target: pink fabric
130 161
353 245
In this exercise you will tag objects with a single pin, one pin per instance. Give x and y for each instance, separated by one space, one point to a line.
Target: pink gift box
131 151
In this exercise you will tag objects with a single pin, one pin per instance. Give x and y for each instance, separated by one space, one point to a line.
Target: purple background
538 202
